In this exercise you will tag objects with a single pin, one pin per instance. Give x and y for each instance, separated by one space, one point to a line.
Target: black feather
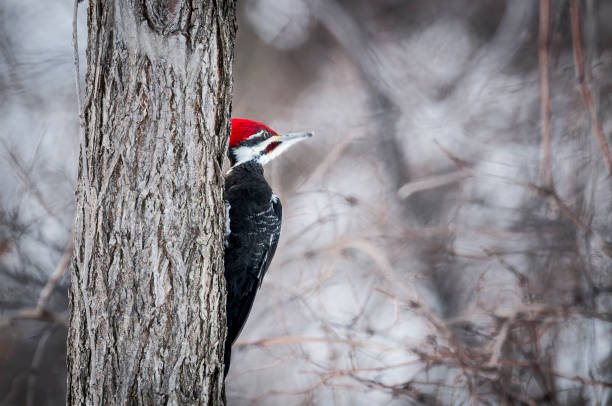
254 228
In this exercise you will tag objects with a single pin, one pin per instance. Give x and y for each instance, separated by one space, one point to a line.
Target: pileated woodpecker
253 217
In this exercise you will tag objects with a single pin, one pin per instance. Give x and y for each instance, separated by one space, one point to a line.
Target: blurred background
447 234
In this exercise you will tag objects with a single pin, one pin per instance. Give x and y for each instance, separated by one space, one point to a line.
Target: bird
253 217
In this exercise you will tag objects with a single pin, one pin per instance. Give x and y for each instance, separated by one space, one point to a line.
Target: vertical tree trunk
147 298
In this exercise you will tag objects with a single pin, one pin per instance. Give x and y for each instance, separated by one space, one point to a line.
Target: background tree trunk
147 298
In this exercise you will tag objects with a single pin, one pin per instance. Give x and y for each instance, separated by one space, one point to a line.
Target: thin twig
24 177
33 314
432 182
298 391
563 208
55 277
458 162
497 345
584 381
40 312
545 111
35 367
285 340
583 83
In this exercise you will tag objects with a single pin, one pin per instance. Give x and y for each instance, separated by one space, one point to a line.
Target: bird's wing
274 237
242 298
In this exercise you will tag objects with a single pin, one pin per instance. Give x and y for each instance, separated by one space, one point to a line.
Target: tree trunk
147 298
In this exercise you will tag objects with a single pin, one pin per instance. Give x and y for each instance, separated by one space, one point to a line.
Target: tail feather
228 356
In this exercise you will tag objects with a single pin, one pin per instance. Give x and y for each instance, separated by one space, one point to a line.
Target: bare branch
584 85
25 178
545 111
56 276
40 312
35 367
432 182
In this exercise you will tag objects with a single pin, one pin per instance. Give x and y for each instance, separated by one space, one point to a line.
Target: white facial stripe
245 154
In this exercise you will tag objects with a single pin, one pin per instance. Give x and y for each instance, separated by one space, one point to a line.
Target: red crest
243 128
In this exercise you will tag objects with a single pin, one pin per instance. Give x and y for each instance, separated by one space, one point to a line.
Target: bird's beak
292 136
280 144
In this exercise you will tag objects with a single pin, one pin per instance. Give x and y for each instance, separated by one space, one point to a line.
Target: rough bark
147 298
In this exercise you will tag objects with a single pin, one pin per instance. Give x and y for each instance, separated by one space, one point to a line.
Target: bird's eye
261 135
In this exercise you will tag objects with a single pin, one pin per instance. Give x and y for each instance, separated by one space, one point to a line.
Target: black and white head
254 141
